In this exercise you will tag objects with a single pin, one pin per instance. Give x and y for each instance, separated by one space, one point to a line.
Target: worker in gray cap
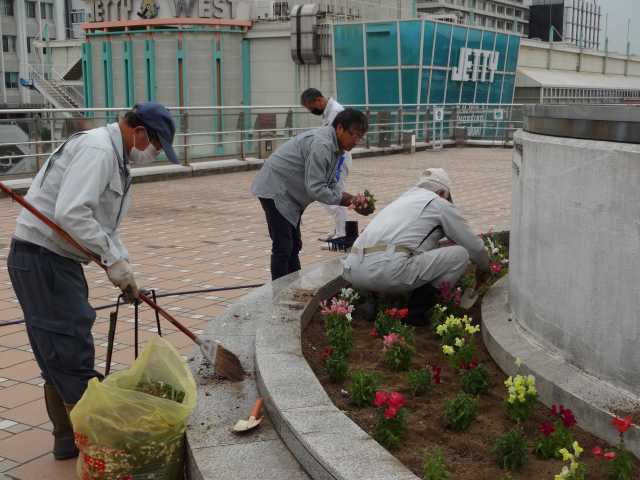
399 251
85 188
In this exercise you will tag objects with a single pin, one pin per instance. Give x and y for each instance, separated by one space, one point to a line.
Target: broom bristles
227 365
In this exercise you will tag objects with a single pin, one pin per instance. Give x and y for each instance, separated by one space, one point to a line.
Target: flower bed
434 397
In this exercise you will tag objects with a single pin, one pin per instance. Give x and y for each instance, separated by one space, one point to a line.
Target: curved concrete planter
322 438
558 381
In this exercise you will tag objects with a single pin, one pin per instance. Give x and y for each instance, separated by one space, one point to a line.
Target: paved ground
199 233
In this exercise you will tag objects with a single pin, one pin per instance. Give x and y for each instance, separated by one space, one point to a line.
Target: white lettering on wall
475 65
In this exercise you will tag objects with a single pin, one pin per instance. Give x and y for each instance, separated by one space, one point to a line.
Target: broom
226 364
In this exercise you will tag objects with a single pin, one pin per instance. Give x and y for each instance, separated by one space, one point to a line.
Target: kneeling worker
399 251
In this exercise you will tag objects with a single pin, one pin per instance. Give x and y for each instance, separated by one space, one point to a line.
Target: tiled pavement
199 233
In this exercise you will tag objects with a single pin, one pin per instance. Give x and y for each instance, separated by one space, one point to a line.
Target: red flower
547 428
403 313
390 412
554 410
597 451
326 353
469 366
381 398
568 418
373 333
610 455
392 312
495 267
622 425
435 373
396 400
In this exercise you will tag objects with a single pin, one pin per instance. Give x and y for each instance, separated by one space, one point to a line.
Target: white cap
435 179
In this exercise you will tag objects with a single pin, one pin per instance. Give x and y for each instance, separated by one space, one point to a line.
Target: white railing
205 133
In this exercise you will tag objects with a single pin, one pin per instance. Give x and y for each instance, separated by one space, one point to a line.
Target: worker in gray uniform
85 188
316 103
400 251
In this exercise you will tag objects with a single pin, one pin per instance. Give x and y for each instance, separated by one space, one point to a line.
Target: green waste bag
131 426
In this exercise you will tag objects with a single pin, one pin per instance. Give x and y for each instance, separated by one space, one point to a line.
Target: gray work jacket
84 188
301 171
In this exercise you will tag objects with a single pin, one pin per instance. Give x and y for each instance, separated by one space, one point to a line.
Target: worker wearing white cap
400 250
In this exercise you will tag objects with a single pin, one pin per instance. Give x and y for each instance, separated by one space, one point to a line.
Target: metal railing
210 133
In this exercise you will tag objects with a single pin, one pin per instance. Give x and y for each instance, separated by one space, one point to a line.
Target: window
29 44
520 28
501 24
50 11
31 9
6 8
77 16
9 43
518 13
501 9
509 11
46 10
11 79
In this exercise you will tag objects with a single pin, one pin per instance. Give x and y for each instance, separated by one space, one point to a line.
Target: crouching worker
85 188
400 250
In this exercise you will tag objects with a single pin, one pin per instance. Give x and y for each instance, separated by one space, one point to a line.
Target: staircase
57 94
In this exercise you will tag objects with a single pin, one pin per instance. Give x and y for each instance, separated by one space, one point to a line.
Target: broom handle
56 228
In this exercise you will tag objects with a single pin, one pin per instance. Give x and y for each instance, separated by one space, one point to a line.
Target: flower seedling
460 412
391 424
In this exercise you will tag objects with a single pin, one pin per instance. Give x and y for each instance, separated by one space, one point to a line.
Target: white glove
121 276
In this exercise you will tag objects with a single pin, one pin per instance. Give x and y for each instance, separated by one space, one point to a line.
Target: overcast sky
619 12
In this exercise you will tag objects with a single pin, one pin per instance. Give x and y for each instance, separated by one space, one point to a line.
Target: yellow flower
531 380
532 391
577 449
563 474
508 382
459 342
447 349
472 329
518 362
441 329
566 456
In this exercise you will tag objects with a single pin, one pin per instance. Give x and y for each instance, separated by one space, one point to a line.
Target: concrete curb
558 381
323 439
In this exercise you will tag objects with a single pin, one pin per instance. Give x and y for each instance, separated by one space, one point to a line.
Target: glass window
31 9
50 11
349 50
383 87
382 46
9 43
11 79
509 11
6 8
29 43
501 9
518 13
350 87
77 16
501 24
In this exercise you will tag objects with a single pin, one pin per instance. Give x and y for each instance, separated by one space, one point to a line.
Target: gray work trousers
398 272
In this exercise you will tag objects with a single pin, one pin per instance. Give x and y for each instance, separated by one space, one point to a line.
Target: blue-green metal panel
474 38
350 87
410 42
107 76
459 37
382 45
410 85
501 47
443 36
424 89
453 90
383 87
496 86
487 40
87 75
507 88
429 38
482 94
438 79
150 68
349 51
512 57
129 92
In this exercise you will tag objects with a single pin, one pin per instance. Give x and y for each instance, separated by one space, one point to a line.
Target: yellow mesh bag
131 426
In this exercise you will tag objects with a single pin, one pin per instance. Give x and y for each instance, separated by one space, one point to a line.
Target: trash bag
131 426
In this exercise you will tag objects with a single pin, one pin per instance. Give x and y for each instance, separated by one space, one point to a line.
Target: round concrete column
575 238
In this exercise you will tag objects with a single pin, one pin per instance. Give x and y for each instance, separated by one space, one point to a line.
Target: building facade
571 21
504 15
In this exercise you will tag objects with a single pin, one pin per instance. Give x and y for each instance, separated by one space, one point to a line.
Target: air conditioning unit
305 48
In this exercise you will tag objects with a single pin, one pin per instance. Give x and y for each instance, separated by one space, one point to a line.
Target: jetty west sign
475 65
112 10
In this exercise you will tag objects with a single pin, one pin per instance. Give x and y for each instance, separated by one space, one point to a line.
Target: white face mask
144 157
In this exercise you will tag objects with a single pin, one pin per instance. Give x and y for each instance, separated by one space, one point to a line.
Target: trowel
469 298
254 419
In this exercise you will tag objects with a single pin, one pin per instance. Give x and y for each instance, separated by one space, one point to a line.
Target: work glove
121 275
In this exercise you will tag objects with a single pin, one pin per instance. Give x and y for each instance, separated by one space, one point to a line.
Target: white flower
349 316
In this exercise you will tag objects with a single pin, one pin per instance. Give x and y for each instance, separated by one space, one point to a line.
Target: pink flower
403 313
622 425
597 451
396 400
390 412
610 455
390 340
495 267
547 428
381 398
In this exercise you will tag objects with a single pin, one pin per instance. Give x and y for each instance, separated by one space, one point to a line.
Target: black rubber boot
421 300
64 446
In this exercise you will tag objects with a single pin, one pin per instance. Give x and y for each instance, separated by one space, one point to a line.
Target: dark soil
467 454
